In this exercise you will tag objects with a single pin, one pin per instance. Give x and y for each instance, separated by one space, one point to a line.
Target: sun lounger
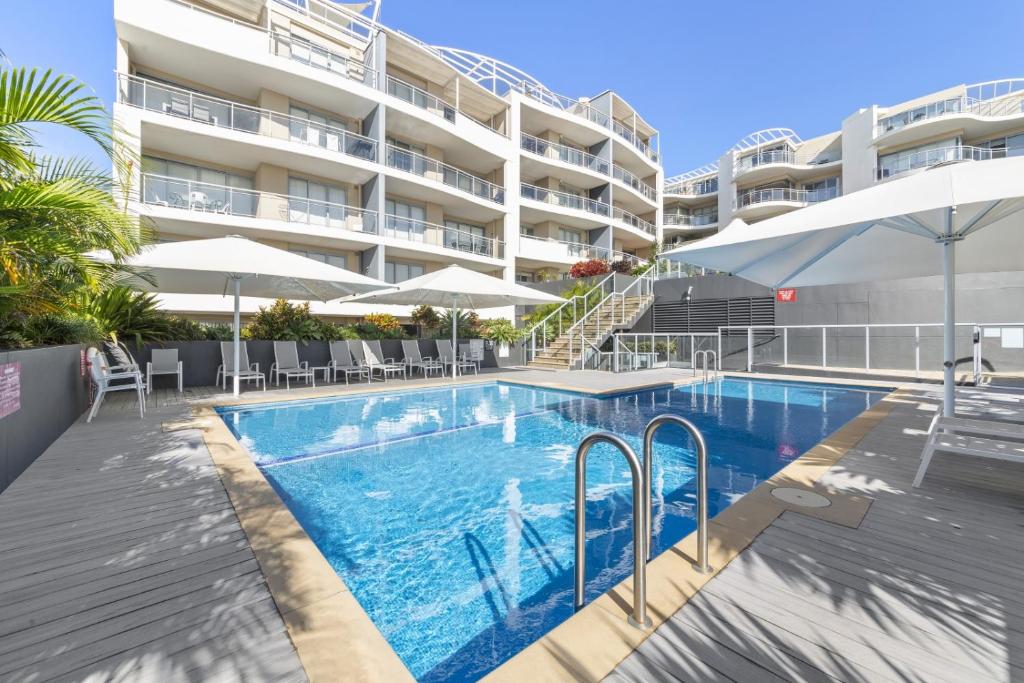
978 438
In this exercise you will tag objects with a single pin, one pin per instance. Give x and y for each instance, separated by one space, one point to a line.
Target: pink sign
10 388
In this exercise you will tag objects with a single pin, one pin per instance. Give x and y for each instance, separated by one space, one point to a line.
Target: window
524 278
567 235
395 272
466 237
405 221
171 183
336 260
822 189
316 203
316 129
405 157
918 157
527 230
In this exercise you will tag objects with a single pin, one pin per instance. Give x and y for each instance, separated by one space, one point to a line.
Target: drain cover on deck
806 499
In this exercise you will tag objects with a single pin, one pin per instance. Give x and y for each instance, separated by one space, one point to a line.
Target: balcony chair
164 362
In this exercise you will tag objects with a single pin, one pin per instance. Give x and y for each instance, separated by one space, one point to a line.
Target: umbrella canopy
457 287
955 218
215 266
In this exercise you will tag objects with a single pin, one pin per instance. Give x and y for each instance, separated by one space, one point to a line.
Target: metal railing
1010 104
627 178
218 15
563 199
421 232
861 346
689 220
210 198
565 316
563 249
634 221
335 17
418 164
407 92
630 136
180 103
320 57
783 194
701 565
706 356
927 158
639 616
595 326
666 269
692 188
765 158
570 155
647 350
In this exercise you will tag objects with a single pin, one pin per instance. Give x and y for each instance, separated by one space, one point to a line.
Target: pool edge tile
333 635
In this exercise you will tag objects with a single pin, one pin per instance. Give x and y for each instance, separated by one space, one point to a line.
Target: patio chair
250 372
286 362
342 361
414 359
164 362
106 379
978 438
372 361
447 356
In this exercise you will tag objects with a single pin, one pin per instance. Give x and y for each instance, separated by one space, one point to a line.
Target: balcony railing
561 249
693 188
213 111
418 97
941 155
411 230
209 198
570 155
784 194
627 178
689 221
765 158
336 18
634 221
1007 105
634 139
563 199
320 57
420 165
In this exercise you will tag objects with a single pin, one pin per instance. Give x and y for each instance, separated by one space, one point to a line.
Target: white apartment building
309 126
773 171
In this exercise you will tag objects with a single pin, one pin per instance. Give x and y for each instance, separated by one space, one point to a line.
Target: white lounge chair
286 362
164 362
448 358
341 361
978 438
250 371
414 359
372 361
105 379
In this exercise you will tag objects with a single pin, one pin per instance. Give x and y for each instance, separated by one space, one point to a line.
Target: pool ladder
640 477
705 355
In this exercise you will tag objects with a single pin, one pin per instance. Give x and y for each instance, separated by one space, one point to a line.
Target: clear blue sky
710 72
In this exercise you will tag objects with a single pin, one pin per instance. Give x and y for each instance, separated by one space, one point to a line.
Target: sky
705 74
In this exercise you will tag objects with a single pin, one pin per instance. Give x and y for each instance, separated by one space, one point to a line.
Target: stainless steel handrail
639 616
701 565
704 354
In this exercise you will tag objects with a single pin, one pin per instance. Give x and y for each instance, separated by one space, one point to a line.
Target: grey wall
981 298
53 394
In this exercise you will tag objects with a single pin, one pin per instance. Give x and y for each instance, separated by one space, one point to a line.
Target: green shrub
128 315
500 330
284 321
426 320
49 329
467 324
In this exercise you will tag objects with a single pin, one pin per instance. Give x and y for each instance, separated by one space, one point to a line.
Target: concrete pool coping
335 637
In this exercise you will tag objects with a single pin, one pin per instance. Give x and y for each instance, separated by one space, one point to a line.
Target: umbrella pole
455 338
949 323
237 332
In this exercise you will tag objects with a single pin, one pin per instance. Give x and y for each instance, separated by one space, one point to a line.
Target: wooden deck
930 587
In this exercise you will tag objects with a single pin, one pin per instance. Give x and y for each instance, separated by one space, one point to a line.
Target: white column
949 325
237 332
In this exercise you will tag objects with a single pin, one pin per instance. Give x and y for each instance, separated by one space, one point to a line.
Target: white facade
303 125
774 171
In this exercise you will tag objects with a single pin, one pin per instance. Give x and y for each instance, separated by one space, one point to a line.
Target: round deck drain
806 499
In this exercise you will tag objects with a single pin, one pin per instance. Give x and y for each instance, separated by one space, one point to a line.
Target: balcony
560 251
407 92
926 158
219 113
768 157
1005 105
563 153
786 195
632 138
690 222
421 232
210 200
630 180
692 188
321 57
634 221
563 199
432 169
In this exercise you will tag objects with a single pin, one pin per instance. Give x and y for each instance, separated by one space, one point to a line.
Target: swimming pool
449 512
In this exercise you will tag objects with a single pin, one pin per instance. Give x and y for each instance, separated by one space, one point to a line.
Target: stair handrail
542 324
644 280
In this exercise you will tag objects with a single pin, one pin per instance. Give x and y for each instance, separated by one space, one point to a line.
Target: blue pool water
449 512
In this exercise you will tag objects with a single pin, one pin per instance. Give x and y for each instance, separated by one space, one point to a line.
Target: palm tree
52 211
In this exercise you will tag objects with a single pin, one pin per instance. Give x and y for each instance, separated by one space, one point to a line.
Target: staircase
615 315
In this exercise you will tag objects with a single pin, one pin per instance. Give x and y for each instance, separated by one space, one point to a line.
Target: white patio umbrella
213 266
454 287
954 218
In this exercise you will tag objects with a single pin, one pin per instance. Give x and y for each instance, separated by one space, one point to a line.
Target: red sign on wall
10 388
785 296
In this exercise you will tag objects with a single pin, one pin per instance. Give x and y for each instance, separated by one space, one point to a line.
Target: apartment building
774 171
310 126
